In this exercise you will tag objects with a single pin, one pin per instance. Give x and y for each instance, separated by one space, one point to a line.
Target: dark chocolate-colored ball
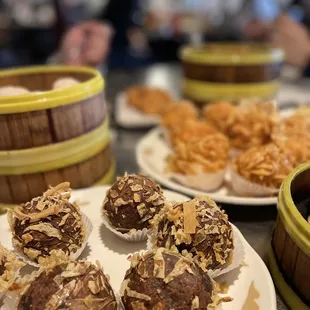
132 201
72 285
47 223
197 228
163 280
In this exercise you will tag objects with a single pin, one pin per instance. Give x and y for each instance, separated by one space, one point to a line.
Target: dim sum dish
237 154
113 273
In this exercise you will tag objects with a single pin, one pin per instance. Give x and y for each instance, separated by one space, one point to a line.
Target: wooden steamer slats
48 119
291 240
294 263
230 71
231 74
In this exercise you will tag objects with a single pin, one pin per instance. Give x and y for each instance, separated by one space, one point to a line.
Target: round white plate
112 253
151 154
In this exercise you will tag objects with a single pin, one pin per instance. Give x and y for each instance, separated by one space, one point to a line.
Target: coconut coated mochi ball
198 229
48 222
131 202
162 280
78 285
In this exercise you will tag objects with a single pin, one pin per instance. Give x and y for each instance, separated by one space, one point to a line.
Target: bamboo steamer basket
54 135
230 71
289 256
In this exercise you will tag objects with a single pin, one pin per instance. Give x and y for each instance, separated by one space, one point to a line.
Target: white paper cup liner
149 243
88 229
238 255
120 305
243 187
219 307
166 136
204 182
11 300
137 236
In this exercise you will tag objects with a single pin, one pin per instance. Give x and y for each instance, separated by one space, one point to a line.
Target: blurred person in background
288 30
77 32
82 32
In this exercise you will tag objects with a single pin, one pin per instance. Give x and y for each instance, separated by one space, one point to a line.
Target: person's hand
256 30
293 38
87 43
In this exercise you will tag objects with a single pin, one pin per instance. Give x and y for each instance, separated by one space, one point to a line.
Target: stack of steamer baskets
228 71
51 136
289 256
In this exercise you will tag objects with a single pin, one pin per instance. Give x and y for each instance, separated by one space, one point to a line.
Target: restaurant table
255 222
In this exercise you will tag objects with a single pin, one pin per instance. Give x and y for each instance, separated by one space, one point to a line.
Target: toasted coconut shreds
219 114
247 125
209 154
252 125
9 266
265 165
191 130
295 126
57 257
48 204
177 114
62 189
296 148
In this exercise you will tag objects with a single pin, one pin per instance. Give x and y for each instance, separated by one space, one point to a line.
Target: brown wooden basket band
232 74
107 179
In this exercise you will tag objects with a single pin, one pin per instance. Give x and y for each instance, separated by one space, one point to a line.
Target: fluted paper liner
133 236
243 187
16 276
167 136
88 229
237 257
11 300
204 182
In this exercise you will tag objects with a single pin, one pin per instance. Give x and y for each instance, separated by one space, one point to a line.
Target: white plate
151 154
112 253
129 117
289 92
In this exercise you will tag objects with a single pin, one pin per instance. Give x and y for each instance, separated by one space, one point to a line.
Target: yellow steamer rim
53 98
298 230
231 54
